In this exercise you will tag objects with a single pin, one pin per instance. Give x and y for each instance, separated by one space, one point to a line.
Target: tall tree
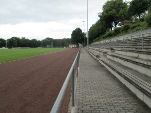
113 11
95 31
149 6
13 42
2 43
34 43
66 42
47 42
77 36
24 42
137 7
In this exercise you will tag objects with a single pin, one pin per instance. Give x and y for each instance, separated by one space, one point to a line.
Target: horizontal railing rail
71 75
144 86
138 41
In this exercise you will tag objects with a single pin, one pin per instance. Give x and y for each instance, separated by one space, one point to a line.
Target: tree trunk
139 16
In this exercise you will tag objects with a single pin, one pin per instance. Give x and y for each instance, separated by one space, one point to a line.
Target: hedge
148 20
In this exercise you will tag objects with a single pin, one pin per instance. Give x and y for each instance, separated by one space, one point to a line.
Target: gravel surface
31 85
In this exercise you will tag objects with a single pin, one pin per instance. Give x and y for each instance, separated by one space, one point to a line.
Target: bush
102 37
148 20
125 28
96 40
133 26
117 31
137 29
109 34
149 9
143 24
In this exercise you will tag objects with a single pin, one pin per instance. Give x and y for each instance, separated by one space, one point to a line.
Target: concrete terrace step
138 83
98 91
143 77
140 79
140 65
135 60
136 64
145 63
138 54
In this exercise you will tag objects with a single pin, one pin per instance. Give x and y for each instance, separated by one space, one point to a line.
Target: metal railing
71 75
144 86
139 41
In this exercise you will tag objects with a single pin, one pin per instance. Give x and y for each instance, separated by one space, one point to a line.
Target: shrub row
148 20
122 30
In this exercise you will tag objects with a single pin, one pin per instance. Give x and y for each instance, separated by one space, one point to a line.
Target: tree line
115 11
15 42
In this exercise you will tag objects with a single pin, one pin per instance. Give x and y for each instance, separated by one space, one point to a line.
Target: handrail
128 36
136 81
59 100
136 42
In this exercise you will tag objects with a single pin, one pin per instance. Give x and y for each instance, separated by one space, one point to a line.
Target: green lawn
7 55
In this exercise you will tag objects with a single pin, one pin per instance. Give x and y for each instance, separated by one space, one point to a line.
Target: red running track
31 85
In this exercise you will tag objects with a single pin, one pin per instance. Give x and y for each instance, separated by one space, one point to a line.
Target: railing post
99 52
110 44
131 41
117 44
149 34
72 84
142 41
77 65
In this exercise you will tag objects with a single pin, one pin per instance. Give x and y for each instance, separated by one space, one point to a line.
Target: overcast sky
46 18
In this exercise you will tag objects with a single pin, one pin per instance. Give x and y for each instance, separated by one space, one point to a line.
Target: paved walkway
98 91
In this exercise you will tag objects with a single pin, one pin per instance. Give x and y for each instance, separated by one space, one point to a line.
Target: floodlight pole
87 28
84 32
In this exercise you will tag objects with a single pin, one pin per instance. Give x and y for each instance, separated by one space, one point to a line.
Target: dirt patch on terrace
31 85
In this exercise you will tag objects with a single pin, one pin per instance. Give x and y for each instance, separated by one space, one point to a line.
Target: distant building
127 22
73 46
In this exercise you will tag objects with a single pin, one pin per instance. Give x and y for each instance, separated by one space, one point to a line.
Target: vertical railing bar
142 41
127 41
99 52
110 44
131 42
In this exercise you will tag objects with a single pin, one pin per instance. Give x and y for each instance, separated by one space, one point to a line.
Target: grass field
7 55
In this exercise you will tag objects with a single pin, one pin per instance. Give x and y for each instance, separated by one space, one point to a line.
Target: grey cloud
17 11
